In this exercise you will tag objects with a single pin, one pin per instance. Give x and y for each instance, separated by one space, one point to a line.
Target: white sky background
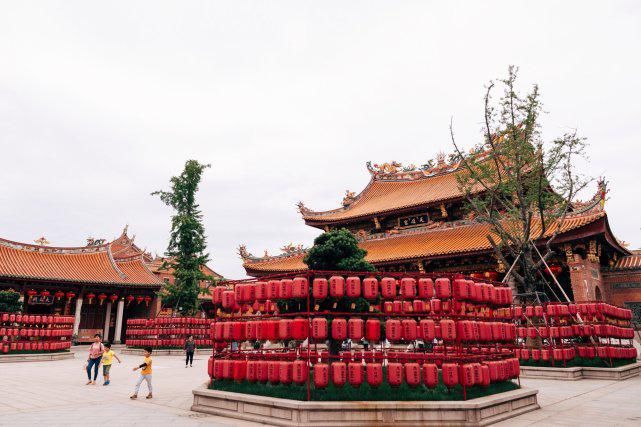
102 102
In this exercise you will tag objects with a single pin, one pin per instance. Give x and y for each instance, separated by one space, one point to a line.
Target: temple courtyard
54 393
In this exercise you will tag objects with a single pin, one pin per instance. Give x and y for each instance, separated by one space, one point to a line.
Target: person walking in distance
190 348
93 360
145 374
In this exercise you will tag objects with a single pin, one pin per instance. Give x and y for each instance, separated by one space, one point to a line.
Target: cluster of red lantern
356 373
28 332
408 294
465 322
130 298
58 294
565 331
167 332
397 330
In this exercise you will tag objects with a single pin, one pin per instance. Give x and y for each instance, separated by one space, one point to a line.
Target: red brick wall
585 276
623 286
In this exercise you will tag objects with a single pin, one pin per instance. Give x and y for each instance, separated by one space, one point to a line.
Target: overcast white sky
101 102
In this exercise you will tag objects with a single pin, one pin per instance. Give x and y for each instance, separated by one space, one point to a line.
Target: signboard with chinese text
413 221
40 300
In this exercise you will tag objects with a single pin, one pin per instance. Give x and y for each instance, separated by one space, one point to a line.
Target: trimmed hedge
384 392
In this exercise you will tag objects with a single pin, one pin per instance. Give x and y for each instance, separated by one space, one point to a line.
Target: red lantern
32 292
319 288
59 294
102 298
394 374
300 372
412 374
355 374
339 329
139 299
339 374
337 286
393 330
113 297
370 288
373 330
319 328
374 374
147 300
70 295
430 375
321 375
554 270
90 296
45 293
130 299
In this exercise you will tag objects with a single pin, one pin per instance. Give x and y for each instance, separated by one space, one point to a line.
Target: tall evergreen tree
187 243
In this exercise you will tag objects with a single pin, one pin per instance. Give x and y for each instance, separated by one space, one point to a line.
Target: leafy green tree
520 185
337 251
187 243
10 302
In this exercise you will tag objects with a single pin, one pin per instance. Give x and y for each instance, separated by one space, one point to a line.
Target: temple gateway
413 219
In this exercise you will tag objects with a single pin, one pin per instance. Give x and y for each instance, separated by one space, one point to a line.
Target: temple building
413 219
102 284
166 274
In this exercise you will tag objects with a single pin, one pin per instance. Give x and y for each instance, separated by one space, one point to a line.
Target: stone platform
292 413
36 357
166 351
578 373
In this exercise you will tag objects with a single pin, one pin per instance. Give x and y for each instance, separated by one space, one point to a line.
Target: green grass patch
596 362
365 392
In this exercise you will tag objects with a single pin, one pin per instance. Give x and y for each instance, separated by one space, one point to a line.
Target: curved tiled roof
419 244
382 196
630 262
90 264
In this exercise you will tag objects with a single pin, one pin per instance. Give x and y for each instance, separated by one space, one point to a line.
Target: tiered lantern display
556 334
167 332
416 327
27 333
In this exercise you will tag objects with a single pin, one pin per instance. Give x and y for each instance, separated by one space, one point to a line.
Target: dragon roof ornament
597 202
397 171
287 250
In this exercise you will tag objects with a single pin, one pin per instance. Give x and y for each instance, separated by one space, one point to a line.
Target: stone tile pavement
583 403
53 393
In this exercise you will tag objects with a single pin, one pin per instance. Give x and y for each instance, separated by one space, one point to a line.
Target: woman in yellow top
107 360
145 374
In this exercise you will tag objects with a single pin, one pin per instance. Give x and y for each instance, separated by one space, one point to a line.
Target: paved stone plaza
53 393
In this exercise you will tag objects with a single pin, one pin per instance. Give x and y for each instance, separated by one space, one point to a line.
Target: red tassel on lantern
102 298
